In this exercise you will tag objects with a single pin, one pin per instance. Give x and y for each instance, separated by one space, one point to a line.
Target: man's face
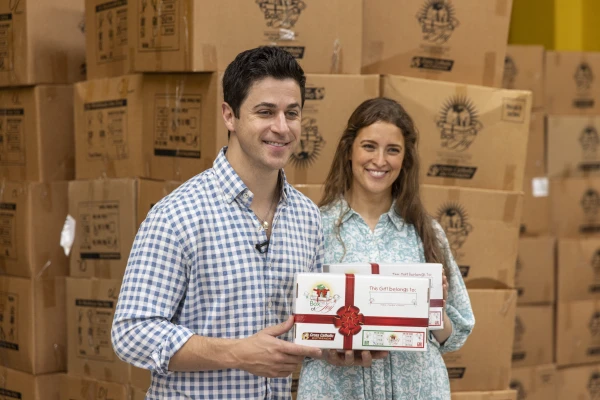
269 125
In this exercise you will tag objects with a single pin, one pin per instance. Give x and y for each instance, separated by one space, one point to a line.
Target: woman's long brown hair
405 190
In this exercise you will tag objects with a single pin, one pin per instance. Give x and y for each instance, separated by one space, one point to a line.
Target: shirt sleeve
154 284
458 304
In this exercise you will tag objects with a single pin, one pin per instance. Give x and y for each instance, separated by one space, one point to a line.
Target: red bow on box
349 319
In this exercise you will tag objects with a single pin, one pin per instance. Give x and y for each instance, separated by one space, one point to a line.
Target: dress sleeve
458 304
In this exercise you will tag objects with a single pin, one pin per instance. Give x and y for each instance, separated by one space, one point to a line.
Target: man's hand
356 358
263 354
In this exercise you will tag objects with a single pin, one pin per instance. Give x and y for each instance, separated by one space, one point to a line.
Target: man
206 299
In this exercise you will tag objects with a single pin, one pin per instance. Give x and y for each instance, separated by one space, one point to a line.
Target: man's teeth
276 144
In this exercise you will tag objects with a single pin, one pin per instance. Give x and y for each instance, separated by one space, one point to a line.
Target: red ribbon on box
432 302
349 318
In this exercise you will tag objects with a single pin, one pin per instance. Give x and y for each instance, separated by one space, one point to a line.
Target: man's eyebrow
294 105
264 104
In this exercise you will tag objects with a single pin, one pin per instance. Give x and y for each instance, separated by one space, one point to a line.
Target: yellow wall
557 24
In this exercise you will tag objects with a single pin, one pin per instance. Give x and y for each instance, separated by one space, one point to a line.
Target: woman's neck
370 206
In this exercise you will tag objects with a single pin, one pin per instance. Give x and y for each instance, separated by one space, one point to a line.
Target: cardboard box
77 388
535 383
25 249
108 213
496 395
32 322
482 227
484 362
91 305
19 385
141 379
524 70
577 332
535 161
460 41
575 206
534 336
578 382
325 37
313 192
41 41
535 219
470 136
572 86
36 133
159 126
578 265
432 272
335 311
106 38
535 270
573 145
138 394
330 100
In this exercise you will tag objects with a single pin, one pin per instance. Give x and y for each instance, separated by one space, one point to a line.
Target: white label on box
539 187
106 130
158 30
6 42
9 335
177 125
396 339
111 31
12 136
94 321
67 235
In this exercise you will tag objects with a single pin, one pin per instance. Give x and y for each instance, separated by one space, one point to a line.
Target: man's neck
262 183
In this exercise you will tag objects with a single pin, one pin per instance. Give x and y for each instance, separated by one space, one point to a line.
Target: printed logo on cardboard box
311 143
518 386
518 270
589 140
594 327
454 221
437 21
595 265
458 123
519 332
590 204
510 73
594 385
584 77
281 13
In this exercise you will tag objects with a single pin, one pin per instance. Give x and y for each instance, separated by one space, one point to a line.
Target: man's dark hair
256 64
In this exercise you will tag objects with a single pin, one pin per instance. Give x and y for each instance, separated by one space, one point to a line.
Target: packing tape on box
489 68
510 301
510 207
336 57
48 286
510 177
503 8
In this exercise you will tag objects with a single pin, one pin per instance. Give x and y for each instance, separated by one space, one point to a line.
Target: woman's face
377 155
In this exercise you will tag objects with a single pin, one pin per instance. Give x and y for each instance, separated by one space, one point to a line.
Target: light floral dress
401 375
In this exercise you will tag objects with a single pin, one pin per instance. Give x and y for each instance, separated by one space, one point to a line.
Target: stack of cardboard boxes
572 93
533 373
39 60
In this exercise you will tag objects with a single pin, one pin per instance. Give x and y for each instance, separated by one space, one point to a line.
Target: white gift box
431 271
361 312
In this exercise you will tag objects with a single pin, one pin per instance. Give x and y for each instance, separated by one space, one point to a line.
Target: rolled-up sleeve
154 284
458 304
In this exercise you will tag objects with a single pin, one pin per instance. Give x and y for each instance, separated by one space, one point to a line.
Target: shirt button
270 265
270 304
245 196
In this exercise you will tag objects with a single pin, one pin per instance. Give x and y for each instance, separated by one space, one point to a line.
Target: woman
372 211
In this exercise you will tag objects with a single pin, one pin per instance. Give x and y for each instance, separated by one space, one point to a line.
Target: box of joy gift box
361 312
430 271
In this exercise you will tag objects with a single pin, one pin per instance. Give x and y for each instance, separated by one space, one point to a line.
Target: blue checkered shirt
194 269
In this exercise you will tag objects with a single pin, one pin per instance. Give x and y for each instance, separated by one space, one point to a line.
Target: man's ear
228 116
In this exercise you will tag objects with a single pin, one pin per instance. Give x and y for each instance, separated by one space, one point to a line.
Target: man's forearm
201 353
